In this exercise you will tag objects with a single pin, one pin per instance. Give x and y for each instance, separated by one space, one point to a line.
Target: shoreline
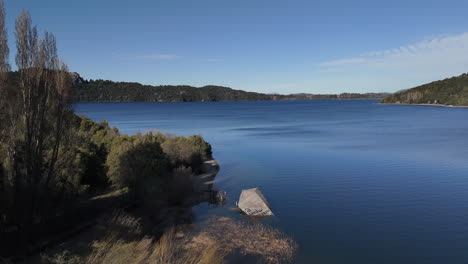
232 101
438 105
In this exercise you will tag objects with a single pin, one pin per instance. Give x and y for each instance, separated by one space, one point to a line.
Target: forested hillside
451 91
109 91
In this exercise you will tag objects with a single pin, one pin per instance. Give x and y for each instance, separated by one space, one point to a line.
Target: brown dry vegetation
166 250
270 244
219 237
125 243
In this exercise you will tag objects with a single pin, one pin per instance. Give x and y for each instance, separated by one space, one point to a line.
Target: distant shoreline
232 101
438 105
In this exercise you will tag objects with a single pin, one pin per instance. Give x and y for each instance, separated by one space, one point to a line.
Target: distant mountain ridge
450 91
109 91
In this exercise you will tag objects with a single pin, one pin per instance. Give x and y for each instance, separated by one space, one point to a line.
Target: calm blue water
351 181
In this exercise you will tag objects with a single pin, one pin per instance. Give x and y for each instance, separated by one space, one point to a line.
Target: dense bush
155 161
190 151
96 157
180 185
135 164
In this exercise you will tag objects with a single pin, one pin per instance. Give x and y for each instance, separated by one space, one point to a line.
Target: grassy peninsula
450 91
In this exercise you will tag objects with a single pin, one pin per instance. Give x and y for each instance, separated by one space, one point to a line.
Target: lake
352 181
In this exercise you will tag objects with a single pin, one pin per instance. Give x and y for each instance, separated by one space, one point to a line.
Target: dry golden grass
114 193
219 237
64 257
119 247
268 243
124 243
146 251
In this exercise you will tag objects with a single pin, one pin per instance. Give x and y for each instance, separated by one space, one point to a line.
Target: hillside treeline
109 91
451 91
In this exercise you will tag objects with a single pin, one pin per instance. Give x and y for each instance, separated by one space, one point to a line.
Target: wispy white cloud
439 53
158 57
343 62
211 60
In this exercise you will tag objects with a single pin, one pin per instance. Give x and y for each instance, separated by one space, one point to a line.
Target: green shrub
137 164
190 151
180 184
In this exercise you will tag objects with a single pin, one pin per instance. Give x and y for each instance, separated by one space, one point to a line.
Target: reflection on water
351 181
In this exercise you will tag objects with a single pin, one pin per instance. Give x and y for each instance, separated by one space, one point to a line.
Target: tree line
450 91
110 91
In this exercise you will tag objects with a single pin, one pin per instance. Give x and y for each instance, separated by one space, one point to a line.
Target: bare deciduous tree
34 120
4 69
4 64
4 51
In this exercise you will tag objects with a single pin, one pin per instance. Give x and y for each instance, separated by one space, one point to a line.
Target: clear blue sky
284 46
